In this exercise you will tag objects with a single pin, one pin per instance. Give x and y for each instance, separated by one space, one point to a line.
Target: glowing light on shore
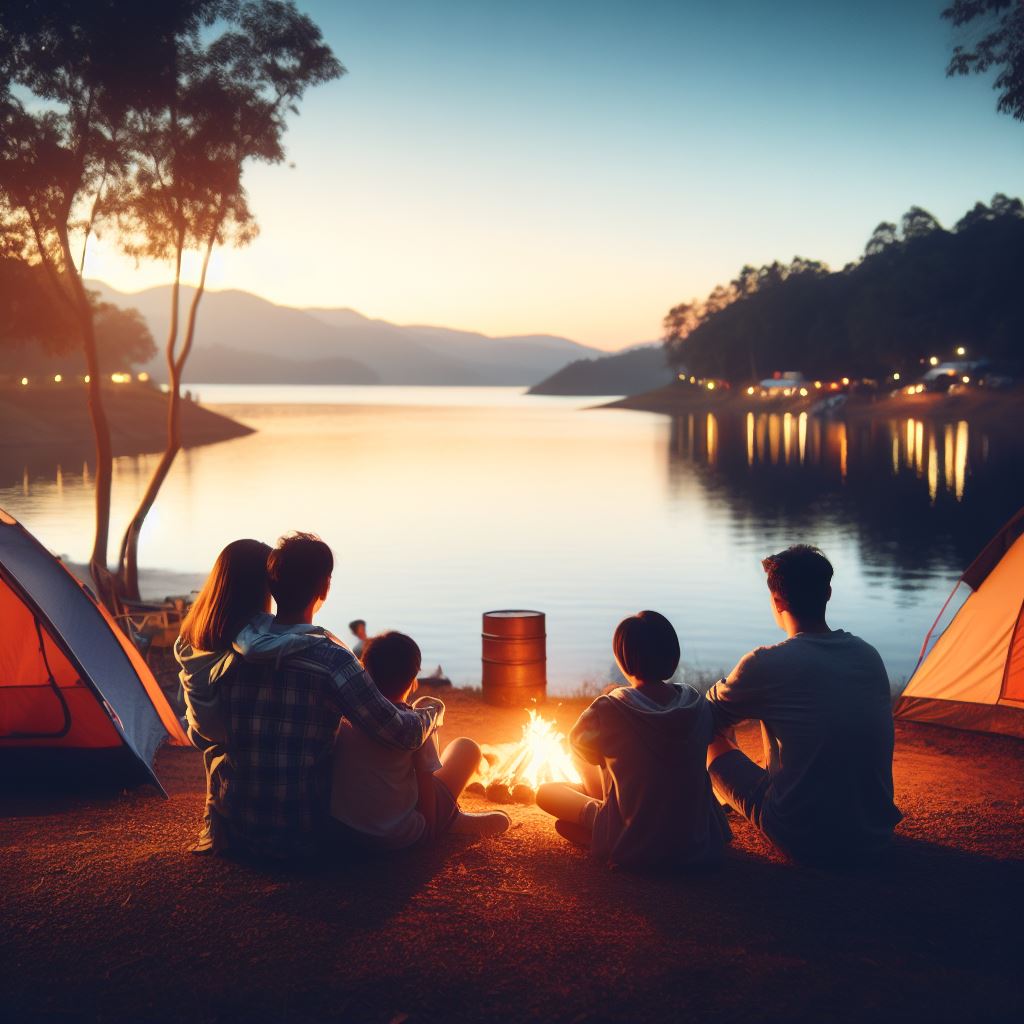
934 361
846 382
896 376
750 391
142 378
120 378
966 379
24 382
87 378
711 385
57 378
961 351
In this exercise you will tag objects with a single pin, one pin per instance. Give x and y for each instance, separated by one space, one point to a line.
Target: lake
443 503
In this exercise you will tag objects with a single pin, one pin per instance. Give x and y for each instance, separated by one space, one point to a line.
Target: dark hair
801 576
355 624
299 569
646 646
235 591
393 660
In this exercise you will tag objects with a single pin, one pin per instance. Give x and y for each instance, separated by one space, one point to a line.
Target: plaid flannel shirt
281 716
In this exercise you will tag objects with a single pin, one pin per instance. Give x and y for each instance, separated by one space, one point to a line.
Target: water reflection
914 490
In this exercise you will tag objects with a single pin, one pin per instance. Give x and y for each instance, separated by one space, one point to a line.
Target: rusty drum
514 657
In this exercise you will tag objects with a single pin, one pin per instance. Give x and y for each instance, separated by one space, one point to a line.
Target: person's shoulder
324 654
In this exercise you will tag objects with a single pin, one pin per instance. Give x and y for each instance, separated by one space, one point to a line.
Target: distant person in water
822 697
646 799
386 798
357 627
235 592
283 706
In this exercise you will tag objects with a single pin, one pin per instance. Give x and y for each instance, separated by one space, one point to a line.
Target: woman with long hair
234 594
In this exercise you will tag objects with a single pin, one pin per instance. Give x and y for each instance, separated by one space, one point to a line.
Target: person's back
658 808
823 701
281 708
647 800
822 697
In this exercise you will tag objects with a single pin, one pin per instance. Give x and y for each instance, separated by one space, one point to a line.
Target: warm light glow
966 379
896 376
87 378
142 377
750 391
693 380
934 360
540 756
57 378
961 351
846 381
802 435
960 460
750 435
120 378
712 434
803 392
24 381
817 384
711 385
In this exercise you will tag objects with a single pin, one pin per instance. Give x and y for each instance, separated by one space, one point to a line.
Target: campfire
512 772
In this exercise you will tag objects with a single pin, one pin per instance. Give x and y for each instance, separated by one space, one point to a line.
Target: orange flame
540 756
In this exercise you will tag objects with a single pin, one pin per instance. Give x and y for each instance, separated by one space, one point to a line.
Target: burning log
499 793
523 794
513 772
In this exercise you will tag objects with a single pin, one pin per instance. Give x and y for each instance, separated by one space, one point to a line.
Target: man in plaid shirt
282 709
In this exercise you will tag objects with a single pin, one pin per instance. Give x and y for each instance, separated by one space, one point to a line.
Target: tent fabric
973 677
69 678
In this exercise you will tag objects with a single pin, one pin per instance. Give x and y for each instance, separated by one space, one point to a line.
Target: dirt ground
106 916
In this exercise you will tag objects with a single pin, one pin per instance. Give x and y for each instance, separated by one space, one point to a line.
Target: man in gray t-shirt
822 697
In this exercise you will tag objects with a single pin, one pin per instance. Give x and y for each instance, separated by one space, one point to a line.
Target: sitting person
822 697
282 707
387 798
235 592
357 627
649 804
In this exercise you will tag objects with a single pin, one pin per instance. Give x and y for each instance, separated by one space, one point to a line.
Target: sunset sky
578 167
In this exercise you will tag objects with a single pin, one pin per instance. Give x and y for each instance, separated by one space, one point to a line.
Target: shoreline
53 420
997 412
510 918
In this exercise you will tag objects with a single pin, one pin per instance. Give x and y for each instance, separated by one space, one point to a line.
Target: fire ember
512 772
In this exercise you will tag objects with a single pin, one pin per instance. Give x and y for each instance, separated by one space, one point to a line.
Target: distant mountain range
643 368
242 338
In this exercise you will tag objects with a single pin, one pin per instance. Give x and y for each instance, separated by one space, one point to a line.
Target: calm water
442 503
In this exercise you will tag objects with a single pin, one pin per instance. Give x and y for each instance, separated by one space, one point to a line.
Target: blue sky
576 168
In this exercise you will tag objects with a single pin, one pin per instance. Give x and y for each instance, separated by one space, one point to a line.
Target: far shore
55 418
995 412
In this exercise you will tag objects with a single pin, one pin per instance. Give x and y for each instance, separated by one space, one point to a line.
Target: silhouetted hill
244 338
624 373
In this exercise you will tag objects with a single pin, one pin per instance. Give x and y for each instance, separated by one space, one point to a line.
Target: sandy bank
991 411
55 417
107 916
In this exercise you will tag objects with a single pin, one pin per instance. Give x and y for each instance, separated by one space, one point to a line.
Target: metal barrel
514 657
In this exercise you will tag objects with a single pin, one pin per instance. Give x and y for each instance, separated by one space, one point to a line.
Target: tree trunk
128 568
100 430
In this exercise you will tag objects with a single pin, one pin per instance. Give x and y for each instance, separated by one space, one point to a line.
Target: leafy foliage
919 289
997 44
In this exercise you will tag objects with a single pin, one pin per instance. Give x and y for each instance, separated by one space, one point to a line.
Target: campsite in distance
511 512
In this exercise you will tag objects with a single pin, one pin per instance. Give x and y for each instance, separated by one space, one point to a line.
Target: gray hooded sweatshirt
658 808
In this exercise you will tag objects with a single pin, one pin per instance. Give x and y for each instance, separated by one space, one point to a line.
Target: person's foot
486 823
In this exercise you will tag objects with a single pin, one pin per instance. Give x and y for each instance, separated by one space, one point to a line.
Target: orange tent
69 678
973 678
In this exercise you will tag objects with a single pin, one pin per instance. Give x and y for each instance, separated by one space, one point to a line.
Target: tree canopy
918 290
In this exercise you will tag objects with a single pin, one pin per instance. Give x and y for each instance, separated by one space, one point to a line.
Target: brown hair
646 646
393 661
298 568
233 593
801 576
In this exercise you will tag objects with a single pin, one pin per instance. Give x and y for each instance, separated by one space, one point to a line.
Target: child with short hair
646 801
389 798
